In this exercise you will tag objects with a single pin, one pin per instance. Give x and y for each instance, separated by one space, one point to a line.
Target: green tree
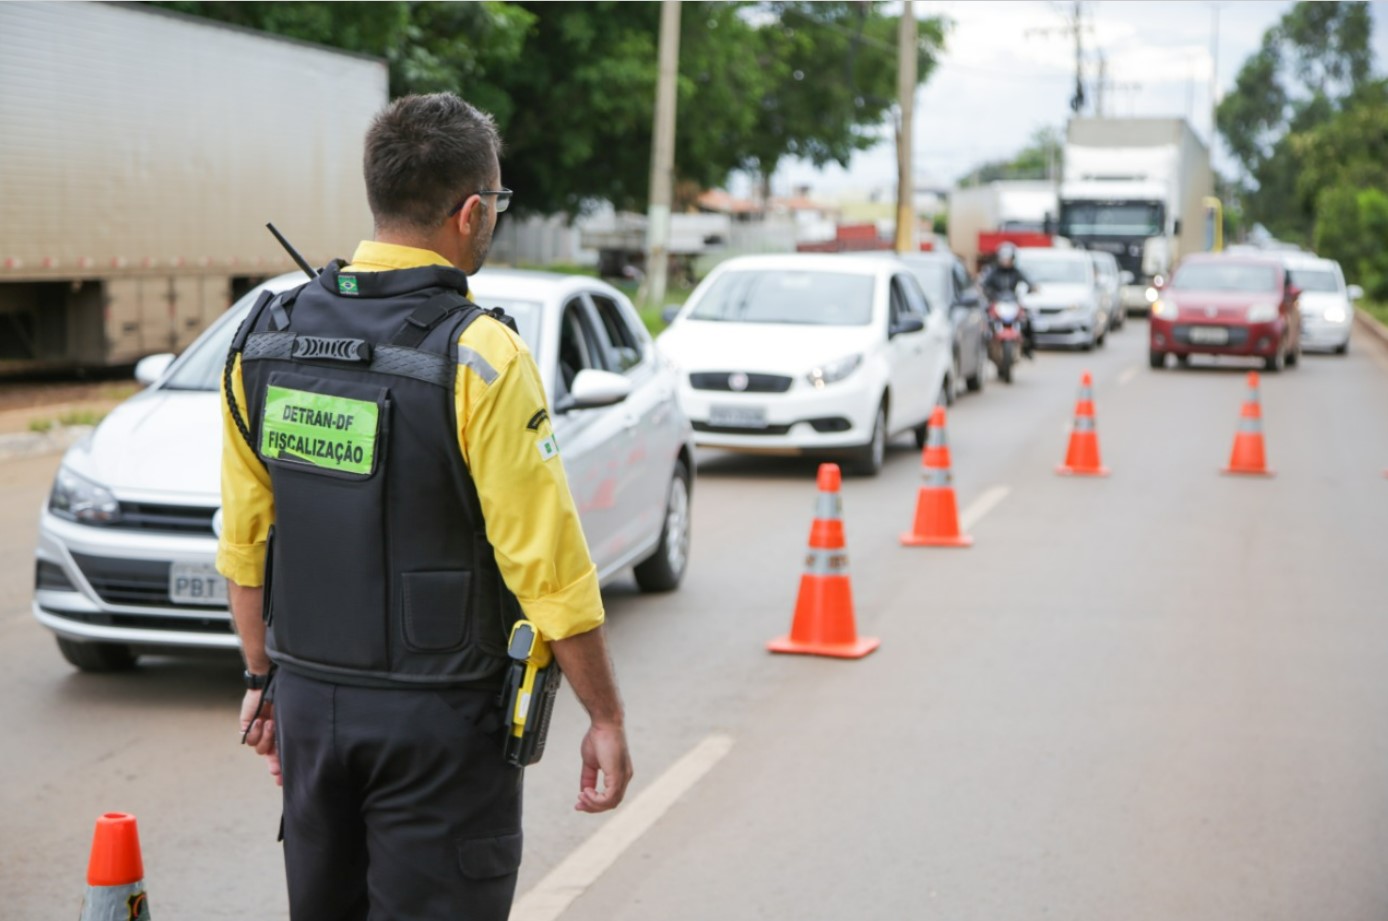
1040 159
1308 66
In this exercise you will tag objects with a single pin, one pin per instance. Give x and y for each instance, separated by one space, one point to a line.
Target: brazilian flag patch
347 284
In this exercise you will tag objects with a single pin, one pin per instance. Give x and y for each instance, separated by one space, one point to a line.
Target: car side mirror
152 367
593 389
668 315
1355 292
1127 277
911 324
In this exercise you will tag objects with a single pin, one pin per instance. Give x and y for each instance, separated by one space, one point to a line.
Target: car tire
948 387
1183 361
1277 361
1157 360
663 570
1343 348
96 657
975 382
868 459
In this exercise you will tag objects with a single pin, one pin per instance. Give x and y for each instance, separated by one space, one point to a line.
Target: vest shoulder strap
427 316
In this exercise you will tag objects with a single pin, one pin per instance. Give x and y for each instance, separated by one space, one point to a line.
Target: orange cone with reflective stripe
823 624
115 872
1082 456
937 511
1249 457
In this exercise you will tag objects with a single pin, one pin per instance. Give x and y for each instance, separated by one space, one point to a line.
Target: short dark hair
423 153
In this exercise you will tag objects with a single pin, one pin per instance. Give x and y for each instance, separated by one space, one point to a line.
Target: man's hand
259 731
604 750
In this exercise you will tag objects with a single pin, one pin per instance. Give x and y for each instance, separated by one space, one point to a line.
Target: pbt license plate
197 583
737 417
1209 335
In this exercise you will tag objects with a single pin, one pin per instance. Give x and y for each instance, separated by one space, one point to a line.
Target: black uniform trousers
398 804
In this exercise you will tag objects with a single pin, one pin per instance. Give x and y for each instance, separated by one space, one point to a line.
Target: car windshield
201 367
1044 269
526 314
1225 276
1121 219
788 296
1315 280
934 278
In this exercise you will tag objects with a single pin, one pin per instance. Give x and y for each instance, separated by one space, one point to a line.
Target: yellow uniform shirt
530 515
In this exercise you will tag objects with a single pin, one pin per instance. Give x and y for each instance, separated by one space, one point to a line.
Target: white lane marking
575 873
982 506
1128 375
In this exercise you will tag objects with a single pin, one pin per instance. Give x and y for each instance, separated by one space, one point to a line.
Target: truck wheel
96 657
663 570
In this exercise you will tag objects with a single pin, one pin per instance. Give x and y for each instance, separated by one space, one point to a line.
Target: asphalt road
1159 695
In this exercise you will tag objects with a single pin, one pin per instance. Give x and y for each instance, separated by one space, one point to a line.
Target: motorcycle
1007 321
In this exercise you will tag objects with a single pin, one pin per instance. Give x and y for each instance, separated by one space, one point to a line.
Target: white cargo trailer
1136 188
982 216
141 154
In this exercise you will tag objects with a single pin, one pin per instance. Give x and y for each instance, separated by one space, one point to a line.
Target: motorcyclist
1001 281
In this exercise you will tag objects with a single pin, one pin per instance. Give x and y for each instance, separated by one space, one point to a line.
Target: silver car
1066 308
127 538
1326 302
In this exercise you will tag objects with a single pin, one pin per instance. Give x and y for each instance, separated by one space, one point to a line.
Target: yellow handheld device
531 685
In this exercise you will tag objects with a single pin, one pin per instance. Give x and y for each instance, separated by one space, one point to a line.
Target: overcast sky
1003 75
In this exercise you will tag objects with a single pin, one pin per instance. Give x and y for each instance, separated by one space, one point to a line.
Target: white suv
1327 304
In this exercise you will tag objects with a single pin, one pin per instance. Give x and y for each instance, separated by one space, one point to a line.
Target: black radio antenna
293 253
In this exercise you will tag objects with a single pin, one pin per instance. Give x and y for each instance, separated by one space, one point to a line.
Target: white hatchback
809 354
126 540
1326 302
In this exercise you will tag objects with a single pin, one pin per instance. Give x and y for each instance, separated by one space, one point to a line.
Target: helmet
1007 254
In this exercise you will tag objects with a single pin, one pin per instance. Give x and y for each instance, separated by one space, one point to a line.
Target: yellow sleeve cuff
243 564
574 609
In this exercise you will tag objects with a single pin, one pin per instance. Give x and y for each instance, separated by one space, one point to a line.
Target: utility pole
906 101
1074 28
662 157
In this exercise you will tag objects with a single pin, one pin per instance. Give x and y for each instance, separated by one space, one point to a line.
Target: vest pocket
436 609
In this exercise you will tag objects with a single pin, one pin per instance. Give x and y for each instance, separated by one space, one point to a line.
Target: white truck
1136 188
983 217
142 153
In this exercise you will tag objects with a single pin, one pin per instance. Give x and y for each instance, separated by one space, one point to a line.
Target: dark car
1228 305
947 284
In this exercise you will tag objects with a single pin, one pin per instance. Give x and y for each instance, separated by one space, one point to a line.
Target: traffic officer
393 501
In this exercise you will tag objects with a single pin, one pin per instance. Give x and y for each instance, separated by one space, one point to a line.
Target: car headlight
1151 294
1165 310
1262 313
1336 314
833 371
78 499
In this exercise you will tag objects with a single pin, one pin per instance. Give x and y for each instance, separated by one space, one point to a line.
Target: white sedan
1326 303
1066 307
126 541
809 354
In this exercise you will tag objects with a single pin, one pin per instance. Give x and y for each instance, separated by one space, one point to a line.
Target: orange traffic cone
115 873
1082 456
823 624
1248 457
937 513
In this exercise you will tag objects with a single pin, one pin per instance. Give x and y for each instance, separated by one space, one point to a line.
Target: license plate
197 583
1209 335
737 417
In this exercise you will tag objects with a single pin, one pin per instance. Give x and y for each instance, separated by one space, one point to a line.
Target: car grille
135 582
194 624
50 577
756 383
175 519
739 430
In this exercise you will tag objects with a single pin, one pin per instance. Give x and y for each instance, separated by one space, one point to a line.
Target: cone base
919 540
1063 470
854 650
1240 471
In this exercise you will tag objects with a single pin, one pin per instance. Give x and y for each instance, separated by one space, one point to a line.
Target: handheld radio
528 695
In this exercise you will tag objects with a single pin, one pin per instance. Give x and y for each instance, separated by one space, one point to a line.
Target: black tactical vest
379 571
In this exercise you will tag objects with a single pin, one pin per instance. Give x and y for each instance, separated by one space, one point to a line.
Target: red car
1228 305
